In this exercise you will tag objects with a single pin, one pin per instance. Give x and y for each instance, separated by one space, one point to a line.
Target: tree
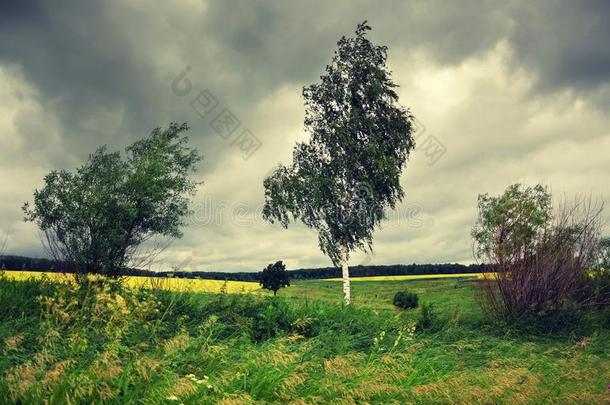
95 219
508 225
342 181
274 277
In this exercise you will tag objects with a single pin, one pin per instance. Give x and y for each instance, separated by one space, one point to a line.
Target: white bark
347 295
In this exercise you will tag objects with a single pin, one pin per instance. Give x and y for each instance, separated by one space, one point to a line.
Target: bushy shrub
537 258
605 317
95 219
406 299
427 317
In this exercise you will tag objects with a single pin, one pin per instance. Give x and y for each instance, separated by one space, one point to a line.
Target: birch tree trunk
347 295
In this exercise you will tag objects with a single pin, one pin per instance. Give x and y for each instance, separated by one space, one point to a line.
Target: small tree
95 219
341 182
508 225
274 277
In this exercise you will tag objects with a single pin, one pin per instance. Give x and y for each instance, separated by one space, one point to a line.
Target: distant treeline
46 265
388 270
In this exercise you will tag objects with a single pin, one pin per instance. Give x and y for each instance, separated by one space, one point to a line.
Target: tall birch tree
343 180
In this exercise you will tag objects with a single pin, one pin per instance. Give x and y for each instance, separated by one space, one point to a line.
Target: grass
153 346
451 294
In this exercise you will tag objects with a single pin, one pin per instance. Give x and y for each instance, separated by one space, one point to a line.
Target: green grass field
448 294
136 345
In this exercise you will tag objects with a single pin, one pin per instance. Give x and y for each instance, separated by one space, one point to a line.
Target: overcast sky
509 91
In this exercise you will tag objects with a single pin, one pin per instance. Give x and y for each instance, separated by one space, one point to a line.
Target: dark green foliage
594 288
428 318
264 318
274 277
19 297
94 219
341 182
605 317
406 299
569 320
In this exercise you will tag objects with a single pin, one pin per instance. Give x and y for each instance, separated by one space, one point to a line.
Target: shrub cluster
539 257
406 300
594 288
428 318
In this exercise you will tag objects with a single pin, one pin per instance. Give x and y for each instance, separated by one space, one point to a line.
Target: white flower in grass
197 381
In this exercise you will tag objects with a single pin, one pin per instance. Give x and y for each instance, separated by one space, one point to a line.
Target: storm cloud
511 91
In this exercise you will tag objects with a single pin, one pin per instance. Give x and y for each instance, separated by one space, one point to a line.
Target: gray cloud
564 43
515 91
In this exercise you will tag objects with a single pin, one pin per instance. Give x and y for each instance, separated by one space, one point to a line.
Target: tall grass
105 343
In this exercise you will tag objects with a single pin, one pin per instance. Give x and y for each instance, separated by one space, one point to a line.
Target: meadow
146 343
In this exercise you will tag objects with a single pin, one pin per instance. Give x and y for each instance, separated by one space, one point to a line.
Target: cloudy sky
510 91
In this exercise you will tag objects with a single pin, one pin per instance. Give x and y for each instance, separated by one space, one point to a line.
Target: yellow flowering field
212 286
174 284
